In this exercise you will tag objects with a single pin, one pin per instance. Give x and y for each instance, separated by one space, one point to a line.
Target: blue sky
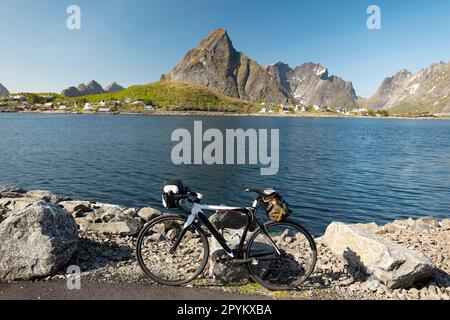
134 42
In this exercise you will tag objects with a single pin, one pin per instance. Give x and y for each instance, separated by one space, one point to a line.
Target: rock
148 214
445 224
45 195
399 225
76 206
393 265
21 204
230 220
157 237
82 222
108 213
15 205
36 242
131 212
373 284
431 221
425 224
370 227
414 293
129 227
11 192
220 269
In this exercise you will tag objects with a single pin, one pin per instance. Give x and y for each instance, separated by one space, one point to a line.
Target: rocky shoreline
54 231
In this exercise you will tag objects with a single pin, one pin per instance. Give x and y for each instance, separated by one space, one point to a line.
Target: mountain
92 87
216 64
114 87
426 91
3 90
311 84
71 92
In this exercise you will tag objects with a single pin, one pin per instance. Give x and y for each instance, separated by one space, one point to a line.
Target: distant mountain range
405 92
92 87
3 90
216 64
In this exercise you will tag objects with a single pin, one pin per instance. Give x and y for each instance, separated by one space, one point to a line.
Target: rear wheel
153 251
291 265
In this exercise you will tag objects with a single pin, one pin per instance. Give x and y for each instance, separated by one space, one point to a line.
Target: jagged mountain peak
114 87
311 84
313 68
215 37
216 64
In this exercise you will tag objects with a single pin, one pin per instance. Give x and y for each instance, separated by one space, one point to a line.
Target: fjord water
350 170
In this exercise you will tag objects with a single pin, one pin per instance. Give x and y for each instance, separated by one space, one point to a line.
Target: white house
104 109
128 101
316 107
102 103
359 110
149 107
63 107
300 109
263 110
88 107
48 105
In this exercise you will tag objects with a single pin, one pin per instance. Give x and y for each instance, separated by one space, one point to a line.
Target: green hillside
175 97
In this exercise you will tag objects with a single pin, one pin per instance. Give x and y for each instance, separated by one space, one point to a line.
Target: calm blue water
352 170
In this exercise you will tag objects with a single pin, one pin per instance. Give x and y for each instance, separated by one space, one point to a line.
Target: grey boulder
11 192
36 242
219 268
148 214
393 265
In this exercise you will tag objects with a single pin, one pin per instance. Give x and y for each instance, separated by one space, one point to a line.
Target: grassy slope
415 106
176 96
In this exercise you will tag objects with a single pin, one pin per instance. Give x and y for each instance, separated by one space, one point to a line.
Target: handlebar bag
277 209
172 190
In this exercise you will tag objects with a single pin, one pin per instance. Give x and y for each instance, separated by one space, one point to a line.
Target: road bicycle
174 249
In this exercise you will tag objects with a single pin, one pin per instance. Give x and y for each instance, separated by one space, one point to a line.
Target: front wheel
283 255
157 257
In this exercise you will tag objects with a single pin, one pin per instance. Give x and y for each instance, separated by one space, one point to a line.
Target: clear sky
134 42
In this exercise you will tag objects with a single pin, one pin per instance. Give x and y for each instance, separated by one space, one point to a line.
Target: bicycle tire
149 273
294 284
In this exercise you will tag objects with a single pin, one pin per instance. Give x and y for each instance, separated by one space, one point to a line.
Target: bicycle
174 249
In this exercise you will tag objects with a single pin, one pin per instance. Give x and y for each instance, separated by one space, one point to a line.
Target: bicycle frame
197 214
